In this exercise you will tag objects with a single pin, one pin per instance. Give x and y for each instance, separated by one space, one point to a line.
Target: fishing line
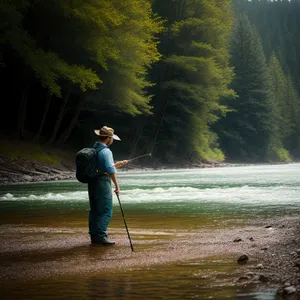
148 154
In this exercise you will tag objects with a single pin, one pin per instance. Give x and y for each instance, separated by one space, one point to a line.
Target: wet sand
29 253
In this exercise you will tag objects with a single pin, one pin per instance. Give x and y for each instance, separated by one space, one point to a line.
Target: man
100 191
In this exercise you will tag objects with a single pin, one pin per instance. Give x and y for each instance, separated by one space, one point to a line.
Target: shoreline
21 170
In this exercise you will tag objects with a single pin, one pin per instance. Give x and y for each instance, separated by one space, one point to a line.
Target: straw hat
107 131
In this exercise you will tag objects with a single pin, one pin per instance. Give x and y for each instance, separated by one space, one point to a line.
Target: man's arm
110 168
115 181
113 176
121 163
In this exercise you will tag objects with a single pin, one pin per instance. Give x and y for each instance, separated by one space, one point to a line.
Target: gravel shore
273 258
270 252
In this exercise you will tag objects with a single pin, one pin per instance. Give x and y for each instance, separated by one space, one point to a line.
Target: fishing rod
148 154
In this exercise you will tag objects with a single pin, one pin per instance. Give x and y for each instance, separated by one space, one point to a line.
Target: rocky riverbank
21 170
273 259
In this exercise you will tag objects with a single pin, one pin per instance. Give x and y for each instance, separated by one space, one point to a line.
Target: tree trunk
65 135
160 124
60 117
136 138
37 137
22 111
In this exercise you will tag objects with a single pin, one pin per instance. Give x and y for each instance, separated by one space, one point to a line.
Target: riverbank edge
18 170
21 170
19 163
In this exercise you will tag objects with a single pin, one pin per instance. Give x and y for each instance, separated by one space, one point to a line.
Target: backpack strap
98 150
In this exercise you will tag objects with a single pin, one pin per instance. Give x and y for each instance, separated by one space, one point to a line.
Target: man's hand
121 163
117 190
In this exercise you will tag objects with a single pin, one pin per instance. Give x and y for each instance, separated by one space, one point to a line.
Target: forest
187 80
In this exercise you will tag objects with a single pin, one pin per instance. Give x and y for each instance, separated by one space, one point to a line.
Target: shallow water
45 251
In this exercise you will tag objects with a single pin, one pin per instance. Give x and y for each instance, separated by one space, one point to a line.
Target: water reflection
265 295
175 281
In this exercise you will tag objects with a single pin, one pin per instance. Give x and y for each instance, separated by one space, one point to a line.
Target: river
179 221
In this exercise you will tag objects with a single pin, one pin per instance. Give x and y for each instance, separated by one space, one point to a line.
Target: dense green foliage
188 80
67 49
247 129
264 125
278 24
191 77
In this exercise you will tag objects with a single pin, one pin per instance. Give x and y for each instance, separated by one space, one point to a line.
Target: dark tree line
64 63
188 80
264 124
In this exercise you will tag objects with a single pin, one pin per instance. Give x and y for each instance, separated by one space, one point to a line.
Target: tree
47 66
191 78
246 131
124 75
281 108
72 47
278 24
293 103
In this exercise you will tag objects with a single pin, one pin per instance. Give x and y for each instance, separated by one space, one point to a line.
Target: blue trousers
100 197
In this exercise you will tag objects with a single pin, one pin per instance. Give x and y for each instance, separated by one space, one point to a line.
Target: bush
283 155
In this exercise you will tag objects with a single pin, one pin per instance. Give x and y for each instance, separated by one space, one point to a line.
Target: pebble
260 266
27 178
244 278
297 263
289 290
238 240
263 278
243 259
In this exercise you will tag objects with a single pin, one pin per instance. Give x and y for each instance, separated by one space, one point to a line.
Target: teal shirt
105 159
